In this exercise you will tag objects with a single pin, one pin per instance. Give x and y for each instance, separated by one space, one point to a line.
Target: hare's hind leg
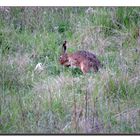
95 68
84 67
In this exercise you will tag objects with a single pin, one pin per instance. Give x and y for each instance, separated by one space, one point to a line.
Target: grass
63 100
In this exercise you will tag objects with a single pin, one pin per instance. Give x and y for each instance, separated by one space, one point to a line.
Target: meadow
61 100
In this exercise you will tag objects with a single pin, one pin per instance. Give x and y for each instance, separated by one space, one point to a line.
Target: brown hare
82 59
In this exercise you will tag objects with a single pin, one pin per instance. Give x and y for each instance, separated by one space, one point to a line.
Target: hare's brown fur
83 59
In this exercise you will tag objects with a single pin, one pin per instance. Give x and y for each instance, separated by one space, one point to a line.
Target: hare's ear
64 47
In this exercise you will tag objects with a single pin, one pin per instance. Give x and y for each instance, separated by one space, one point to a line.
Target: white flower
89 10
39 67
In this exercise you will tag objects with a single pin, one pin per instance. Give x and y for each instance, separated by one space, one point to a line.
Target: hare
82 59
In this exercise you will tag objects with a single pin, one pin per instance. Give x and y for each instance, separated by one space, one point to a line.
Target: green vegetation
63 100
